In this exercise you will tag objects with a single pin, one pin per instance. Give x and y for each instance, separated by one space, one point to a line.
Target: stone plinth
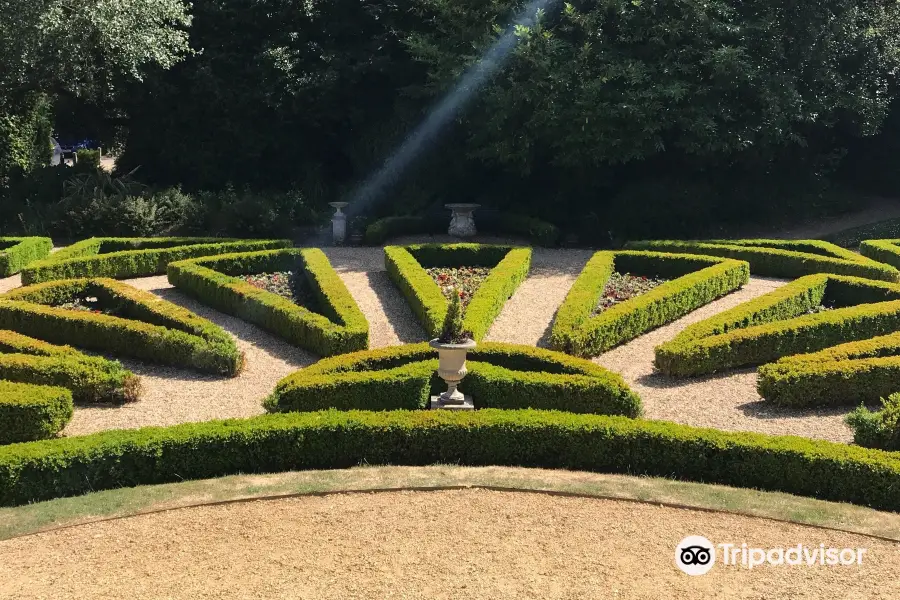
462 222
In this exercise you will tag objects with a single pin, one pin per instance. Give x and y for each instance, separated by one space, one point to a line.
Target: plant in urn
452 346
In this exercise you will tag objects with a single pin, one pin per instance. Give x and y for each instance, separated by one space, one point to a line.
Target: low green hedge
149 328
406 268
778 324
536 231
340 328
124 258
850 373
884 251
500 376
326 440
877 429
698 280
17 252
781 258
32 412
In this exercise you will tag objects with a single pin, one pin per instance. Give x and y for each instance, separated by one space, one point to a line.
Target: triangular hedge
886 251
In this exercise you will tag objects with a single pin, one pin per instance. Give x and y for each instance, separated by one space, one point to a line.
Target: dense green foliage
406 267
319 440
125 258
877 429
500 376
779 324
334 326
886 251
145 327
782 258
696 280
32 412
538 232
16 253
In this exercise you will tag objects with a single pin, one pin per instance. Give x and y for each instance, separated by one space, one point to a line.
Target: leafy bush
87 157
406 268
16 253
885 251
340 328
699 280
535 230
331 439
781 258
32 412
877 429
779 324
123 258
254 213
149 328
500 376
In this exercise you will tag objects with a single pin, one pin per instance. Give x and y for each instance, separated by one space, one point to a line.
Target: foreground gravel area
725 401
174 396
447 544
10 283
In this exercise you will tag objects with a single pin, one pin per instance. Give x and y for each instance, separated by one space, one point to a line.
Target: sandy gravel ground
434 545
527 316
177 396
10 283
724 401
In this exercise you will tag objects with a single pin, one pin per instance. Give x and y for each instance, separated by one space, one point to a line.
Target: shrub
387 228
123 258
885 251
87 157
406 267
149 328
877 429
538 232
17 252
779 324
781 258
331 439
32 412
340 328
500 376
698 281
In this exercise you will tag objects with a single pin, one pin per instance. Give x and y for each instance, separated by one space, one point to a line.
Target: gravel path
10 283
177 396
435 545
724 401
528 315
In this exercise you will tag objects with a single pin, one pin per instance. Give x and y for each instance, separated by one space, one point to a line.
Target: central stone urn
462 223
452 369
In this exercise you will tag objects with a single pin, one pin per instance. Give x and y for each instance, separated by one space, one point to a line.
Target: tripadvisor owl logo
695 555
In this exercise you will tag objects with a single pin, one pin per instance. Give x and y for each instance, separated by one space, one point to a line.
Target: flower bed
625 286
466 280
287 284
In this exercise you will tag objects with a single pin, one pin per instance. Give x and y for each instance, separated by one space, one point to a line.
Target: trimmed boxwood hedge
778 324
781 258
17 252
123 258
500 376
538 232
698 280
32 412
49 469
885 251
406 268
877 429
340 328
149 329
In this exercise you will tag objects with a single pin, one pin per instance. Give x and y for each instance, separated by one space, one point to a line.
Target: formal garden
366 246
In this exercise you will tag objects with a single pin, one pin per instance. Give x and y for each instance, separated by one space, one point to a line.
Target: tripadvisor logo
696 555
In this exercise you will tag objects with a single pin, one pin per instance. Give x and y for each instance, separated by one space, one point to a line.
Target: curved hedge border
781 258
123 258
32 412
150 329
89 378
778 324
500 376
885 251
342 328
17 252
406 267
877 429
538 232
49 469
699 280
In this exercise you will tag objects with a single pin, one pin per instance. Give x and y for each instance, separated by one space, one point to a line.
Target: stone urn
462 223
452 369
338 222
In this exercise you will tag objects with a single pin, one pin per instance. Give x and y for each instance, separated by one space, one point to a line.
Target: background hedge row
406 268
332 439
341 327
536 231
123 258
781 258
17 252
697 280
500 376
149 329
779 324
32 412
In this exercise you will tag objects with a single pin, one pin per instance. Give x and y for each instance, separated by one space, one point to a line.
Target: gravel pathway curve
10 283
528 315
174 396
391 321
724 401
436 545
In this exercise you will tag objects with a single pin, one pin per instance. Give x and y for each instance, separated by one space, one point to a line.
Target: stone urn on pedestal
462 223
338 223
452 346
